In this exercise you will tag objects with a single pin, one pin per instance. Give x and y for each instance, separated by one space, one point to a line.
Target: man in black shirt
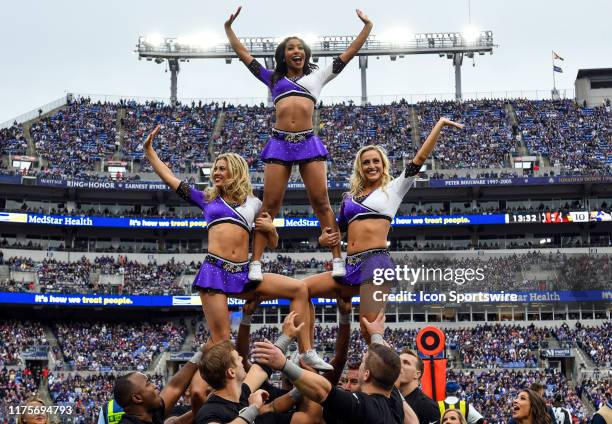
378 402
143 403
237 397
408 382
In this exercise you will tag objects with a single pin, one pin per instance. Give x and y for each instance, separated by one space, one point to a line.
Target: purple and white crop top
218 211
379 204
306 86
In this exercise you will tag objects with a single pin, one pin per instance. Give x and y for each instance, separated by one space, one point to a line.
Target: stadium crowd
17 336
554 271
102 346
596 341
487 127
16 385
574 136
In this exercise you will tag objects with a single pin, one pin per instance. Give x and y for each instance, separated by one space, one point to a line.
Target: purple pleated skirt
361 266
223 276
293 148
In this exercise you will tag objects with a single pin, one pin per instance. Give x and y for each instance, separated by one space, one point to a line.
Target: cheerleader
230 210
365 215
295 85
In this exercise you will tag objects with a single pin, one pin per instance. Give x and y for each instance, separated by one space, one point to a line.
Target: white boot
338 267
255 273
312 358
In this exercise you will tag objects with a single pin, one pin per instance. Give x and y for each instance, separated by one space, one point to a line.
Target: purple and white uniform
295 147
379 204
218 274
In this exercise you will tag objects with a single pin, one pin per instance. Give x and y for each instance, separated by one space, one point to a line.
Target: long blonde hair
358 179
462 419
238 186
32 400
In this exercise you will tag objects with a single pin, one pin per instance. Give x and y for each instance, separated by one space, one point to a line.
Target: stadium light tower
394 43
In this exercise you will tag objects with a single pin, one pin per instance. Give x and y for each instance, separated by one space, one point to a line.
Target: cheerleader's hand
364 18
448 122
251 306
264 223
233 17
148 144
328 238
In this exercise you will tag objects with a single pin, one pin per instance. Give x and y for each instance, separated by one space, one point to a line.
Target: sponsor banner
308 221
188 223
558 353
469 182
418 297
448 220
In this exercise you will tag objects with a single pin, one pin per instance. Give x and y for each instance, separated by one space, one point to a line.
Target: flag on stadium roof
557 69
556 56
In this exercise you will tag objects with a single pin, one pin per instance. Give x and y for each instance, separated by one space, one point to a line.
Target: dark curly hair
280 70
538 411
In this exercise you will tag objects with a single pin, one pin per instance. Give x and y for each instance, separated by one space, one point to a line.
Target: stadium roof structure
453 45
598 72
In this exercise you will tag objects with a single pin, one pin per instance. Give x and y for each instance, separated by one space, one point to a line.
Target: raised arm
310 384
432 138
160 168
238 47
360 40
177 385
259 372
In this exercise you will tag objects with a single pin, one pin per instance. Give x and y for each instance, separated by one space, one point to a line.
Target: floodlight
154 39
470 34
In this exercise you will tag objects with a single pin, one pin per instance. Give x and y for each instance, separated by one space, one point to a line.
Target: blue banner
189 223
469 182
404 297
104 185
332 185
10 179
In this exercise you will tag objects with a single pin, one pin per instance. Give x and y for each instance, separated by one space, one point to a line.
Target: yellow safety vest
463 407
113 417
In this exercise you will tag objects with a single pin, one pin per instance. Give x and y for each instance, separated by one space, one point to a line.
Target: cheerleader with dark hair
295 85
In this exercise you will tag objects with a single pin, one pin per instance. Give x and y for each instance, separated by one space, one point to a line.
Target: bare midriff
366 234
294 114
229 241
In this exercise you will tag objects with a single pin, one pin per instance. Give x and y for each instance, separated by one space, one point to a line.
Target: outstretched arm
432 138
257 374
360 40
177 385
310 384
238 47
160 168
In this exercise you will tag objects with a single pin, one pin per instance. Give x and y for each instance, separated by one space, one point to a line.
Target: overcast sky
54 47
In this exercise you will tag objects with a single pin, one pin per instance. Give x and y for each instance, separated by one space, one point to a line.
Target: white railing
34 113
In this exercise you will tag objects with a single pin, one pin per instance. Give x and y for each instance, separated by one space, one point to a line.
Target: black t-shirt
426 410
342 406
158 417
179 410
220 410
